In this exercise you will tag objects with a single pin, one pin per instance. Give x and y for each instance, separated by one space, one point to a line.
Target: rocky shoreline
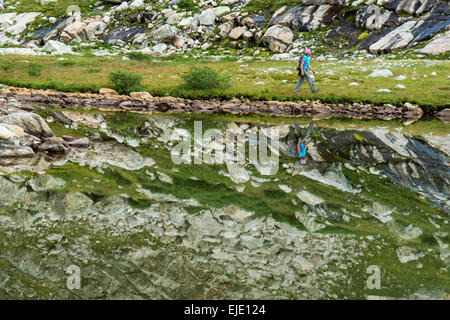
144 102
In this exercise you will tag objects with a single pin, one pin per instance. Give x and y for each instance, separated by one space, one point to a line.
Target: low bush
201 78
135 55
66 63
6 65
93 70
34 69
125 82
187 5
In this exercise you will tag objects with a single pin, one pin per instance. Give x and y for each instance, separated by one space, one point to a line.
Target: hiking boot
314 91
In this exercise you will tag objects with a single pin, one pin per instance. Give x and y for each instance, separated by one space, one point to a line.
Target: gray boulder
56 47
438 46
220 11
278 38
123 34
412 7
225 29
406 254
207 17
55 145
76 202
307 18
19 22
5 40
31 123
373 17
238 174
413 31
17 136
166 33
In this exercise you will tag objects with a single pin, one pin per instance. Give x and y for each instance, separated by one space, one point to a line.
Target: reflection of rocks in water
332 176
265 257
10 192
405 160
110 153
380 211
406 254
46 182
101 154
238 174
150 243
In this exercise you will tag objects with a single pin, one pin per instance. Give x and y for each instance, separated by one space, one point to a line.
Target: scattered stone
309 198
141 95
381 73
380 211
107 92
207 17
444 115
438 46
56 47
406 254
238 174
285 188
277 38
236 33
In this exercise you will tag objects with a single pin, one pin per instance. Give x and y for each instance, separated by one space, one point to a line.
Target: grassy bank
252 79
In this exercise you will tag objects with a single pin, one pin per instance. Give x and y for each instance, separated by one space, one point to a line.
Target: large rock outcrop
438 46
31 123
412 7
413 31
278 38
307 18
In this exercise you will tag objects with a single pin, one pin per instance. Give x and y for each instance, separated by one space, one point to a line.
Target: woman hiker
301 150
303 65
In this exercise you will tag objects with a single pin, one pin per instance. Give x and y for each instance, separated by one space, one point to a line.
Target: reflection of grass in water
397 279
125 123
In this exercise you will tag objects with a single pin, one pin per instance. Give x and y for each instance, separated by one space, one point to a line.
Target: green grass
161 77
53 9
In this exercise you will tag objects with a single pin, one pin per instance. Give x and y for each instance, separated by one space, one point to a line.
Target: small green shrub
66 63
125 82
204 78
138 56
93 70
6 65
187 5
34 69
